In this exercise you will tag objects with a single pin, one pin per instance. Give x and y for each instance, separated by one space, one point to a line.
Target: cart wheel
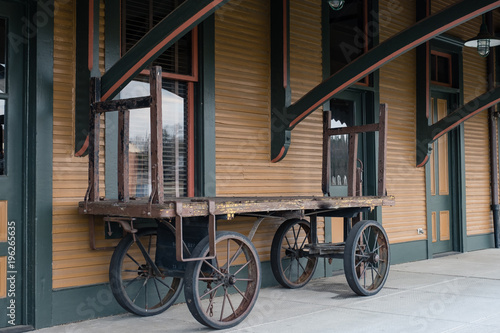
290 264
136 282
366 258
221 292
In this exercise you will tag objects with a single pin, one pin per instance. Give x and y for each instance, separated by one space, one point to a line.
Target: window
441 68
179 65
3 90
349 35
3 53
342 116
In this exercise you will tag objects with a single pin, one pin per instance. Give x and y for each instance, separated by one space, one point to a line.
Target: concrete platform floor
456 293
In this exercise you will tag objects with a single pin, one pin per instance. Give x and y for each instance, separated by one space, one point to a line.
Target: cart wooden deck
231 205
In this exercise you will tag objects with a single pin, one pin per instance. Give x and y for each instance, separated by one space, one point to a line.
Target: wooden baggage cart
221 271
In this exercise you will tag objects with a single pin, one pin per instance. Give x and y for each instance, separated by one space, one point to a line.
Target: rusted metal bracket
126 223
179 241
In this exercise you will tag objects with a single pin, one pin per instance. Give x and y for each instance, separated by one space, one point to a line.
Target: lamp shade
336 4
483 41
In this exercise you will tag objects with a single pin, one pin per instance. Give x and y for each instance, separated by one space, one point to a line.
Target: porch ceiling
390 49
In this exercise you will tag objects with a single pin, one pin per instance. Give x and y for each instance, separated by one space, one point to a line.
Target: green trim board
111 56
325 38
40 147
205 182
18 180
391 48
281 92
85 69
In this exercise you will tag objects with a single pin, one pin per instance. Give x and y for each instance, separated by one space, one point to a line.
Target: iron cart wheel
221 292
366 258
136 282
291 265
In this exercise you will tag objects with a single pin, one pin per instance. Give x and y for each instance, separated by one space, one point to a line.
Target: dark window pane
443 70
2 137
3 62
140 17
440 68
348 36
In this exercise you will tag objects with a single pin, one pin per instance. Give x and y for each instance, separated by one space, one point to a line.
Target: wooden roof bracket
284 121
179 241
426 135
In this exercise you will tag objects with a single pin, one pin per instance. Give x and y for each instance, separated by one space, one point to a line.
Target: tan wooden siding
476 132
243 101
405 181
242 58
74 264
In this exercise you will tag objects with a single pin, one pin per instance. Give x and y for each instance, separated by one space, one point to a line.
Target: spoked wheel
221 292
137 283
290 264
366 258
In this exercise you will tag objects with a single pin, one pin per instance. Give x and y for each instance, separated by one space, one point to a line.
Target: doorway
443 224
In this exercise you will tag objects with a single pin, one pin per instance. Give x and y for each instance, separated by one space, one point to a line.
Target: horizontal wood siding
242 81
397 88
243 101
74 264
477 155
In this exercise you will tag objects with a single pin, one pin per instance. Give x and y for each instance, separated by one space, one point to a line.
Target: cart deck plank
199 206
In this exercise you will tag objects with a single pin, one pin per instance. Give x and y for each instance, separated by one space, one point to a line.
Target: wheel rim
371 258
226 290
296 267
145 288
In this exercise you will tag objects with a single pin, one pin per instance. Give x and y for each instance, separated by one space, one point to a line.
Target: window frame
449 57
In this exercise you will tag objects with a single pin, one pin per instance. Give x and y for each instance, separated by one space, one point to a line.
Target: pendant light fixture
483 41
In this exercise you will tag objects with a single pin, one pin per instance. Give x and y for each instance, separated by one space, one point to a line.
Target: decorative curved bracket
390 49
443 126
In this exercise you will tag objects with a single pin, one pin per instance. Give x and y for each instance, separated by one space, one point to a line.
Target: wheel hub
229 280
144 271
375 258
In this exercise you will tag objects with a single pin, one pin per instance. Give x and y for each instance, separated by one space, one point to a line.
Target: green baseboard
480 242
408 251
83 303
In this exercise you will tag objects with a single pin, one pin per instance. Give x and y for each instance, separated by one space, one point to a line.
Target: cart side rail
353 132
123 107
